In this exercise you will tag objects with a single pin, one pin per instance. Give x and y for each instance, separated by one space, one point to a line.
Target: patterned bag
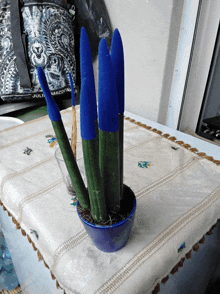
35 33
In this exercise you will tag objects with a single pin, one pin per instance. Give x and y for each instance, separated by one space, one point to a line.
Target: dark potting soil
126 205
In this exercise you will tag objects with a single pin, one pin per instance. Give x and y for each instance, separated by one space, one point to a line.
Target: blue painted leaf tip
103 47
86 66
72 89
116 34
88 111
84 40
117 57
83 30
41 76
52 108
108 101
117 45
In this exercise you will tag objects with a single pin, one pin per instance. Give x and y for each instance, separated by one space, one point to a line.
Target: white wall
185 33
145 27
202 56
157 36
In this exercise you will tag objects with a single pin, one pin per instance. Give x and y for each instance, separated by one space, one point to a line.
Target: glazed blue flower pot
112 238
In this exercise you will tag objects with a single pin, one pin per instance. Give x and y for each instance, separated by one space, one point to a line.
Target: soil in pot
126 206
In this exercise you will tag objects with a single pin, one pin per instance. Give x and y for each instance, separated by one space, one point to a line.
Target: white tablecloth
177 203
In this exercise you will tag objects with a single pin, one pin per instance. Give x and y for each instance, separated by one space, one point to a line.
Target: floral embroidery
144 164
35 233
52 141
27 151
183 245
174 148
74 201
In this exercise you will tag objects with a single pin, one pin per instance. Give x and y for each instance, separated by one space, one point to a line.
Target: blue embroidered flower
183 245
52 140
144 164
74 201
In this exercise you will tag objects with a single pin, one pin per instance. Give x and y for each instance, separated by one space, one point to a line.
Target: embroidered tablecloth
178 201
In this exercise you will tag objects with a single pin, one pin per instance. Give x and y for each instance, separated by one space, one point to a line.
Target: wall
149 30
201 59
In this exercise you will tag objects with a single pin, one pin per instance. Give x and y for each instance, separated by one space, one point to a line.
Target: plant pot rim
111 226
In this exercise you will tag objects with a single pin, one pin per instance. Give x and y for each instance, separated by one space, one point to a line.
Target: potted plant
107 207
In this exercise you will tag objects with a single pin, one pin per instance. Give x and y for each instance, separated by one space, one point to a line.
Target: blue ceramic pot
114 237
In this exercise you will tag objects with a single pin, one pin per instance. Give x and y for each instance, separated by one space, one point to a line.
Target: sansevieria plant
101 128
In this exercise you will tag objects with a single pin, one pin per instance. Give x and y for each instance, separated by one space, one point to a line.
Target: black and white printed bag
35 33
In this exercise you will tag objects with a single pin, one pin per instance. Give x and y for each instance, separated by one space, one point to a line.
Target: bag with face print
35 33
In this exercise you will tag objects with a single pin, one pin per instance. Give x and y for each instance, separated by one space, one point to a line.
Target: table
177 204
